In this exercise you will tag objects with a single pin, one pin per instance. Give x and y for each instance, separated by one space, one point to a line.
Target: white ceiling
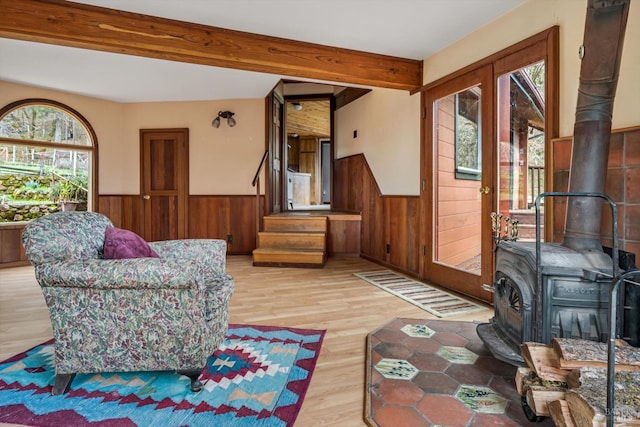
405 28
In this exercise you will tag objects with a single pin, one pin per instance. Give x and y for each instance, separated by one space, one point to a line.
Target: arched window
47 157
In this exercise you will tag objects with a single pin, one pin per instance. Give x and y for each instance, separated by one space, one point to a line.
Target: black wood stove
546 290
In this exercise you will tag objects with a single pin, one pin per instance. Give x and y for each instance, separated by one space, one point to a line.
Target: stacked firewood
568 382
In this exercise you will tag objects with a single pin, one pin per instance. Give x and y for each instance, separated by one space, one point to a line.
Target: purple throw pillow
120 243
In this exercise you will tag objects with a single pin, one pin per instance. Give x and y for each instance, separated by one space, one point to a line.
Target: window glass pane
43 123
467 133
521 149
457 200
36 176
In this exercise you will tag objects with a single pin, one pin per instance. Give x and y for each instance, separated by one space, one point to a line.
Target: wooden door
275 155
459 164
164 183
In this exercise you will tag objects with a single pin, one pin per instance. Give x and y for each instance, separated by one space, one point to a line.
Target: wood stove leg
62 383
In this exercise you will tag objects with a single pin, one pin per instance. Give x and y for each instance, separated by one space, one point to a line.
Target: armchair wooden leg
193 375
62 383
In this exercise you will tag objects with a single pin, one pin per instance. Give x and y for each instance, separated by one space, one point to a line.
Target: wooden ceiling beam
77 25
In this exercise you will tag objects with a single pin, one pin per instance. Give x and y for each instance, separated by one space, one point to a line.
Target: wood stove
546 290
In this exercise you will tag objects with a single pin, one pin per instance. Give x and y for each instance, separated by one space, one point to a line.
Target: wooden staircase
292 241
527 224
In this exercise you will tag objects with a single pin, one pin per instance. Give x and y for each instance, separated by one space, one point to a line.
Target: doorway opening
307 154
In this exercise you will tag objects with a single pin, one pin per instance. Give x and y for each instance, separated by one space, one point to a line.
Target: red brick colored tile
632 148
632 223
478 348
445 410
632 185
469 374
468 330
448 338
562 153
428 362
376 403
606 226
375 357
633 247
390 335
616 149
392 351
505 387
615 184
496 367
443 326
376 377
422 345
400 416
399 392
436 383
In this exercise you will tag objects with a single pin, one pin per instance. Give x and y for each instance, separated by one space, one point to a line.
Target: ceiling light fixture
297 106
225 115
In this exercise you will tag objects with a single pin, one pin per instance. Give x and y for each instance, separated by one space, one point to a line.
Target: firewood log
522 375
560 414
576 353
538 399
588 403
543 360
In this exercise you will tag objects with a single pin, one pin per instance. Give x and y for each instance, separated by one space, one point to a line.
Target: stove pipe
601 52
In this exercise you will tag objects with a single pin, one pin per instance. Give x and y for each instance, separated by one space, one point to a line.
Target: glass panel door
521 146
458 176
459 249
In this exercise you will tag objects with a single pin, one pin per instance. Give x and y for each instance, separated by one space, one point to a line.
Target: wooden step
305 223
277 257
292 240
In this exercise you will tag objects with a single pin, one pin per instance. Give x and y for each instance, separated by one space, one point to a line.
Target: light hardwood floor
330 298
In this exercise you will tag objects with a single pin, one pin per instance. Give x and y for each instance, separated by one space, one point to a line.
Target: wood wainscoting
390 229
209 217
11 250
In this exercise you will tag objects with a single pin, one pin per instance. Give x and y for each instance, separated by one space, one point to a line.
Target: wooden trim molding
78 25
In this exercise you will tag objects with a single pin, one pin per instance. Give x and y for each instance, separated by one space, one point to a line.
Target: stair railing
256 183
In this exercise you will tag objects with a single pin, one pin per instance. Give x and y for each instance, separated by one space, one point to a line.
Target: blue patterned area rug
258 377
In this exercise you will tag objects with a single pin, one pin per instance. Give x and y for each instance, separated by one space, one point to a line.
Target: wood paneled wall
209 217
217 217
124 211
623 176
386 220
11 250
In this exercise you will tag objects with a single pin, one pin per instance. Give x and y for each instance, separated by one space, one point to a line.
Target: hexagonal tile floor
438 373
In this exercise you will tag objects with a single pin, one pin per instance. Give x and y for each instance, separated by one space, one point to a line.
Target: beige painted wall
533 17
388 125
222 161
391 146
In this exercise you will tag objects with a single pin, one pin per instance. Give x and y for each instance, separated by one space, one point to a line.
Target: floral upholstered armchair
165 311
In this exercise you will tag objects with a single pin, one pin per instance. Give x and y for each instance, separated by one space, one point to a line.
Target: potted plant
68 193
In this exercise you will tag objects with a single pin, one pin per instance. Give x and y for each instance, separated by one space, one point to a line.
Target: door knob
485 189
146 197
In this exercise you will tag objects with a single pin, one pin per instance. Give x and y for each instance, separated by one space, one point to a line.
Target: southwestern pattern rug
428 298
258 377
